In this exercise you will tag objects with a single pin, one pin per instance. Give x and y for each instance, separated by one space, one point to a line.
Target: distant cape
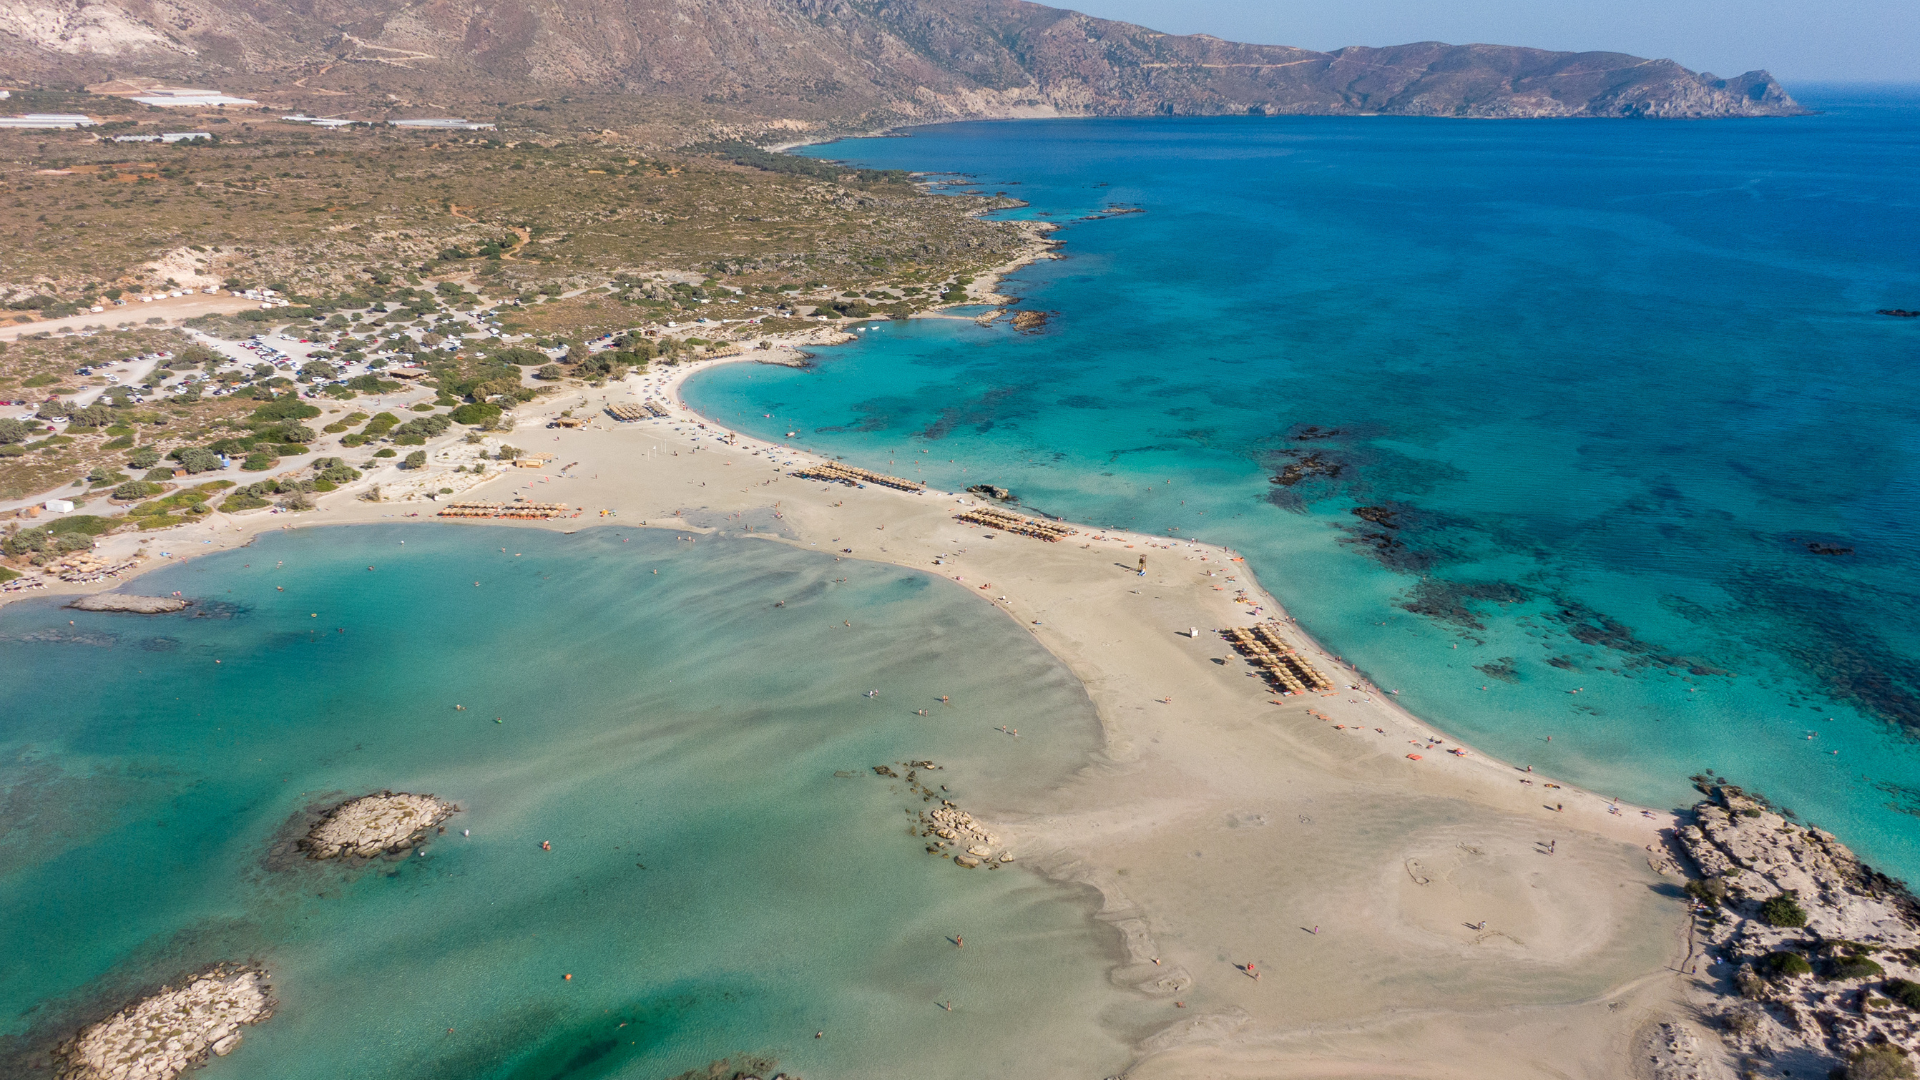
875 60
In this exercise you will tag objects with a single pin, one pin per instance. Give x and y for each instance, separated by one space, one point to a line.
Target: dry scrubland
374 233
319 212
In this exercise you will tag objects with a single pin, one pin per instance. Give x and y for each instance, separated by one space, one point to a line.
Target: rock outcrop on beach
127 602
164 1035
376 824
1814 954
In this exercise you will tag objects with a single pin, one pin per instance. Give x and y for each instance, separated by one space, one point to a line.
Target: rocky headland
127 602
376 824
172 1031
1811 958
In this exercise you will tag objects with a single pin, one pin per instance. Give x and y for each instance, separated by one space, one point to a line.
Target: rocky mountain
876 60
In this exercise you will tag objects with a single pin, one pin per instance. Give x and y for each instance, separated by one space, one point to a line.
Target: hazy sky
1805 40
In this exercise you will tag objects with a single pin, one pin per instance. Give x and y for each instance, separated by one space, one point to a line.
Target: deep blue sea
1577 429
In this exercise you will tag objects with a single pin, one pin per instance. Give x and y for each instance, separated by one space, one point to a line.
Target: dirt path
171 310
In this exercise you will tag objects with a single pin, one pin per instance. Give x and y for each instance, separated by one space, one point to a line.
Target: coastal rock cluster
949 831
949 827
170 1032
1818 955
375 824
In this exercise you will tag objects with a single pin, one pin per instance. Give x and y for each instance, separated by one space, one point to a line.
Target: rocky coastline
1806 959
371 825
164 1035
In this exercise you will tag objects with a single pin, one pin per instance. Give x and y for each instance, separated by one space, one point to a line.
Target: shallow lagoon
675 721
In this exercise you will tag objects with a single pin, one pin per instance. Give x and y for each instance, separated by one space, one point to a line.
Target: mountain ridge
876 61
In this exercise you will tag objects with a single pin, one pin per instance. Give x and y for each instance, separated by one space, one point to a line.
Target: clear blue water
657 711
1606 382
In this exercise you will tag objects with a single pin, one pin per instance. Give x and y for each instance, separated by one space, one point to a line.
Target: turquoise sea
728 876
1562 406
1592 428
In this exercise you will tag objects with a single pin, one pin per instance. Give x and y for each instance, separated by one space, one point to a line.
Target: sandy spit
1404 917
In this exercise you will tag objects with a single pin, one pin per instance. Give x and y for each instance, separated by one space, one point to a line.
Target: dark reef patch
983 413
1506 669
1404 538
217 609
1591 627
1452 602
1834 646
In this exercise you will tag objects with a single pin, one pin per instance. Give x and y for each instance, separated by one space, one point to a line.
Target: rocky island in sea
376 824
166 1034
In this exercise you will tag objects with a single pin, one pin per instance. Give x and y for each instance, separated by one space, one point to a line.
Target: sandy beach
1311 885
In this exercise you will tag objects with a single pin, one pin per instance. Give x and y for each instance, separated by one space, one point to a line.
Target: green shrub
475 413
289 407
259 461
1784 963
13 431
196 459
89 524
1784 911
380 425
1905 992
27 542
355 439
1880 1062
135 489
243 499
160 475
383 452
120 443
1854 967
334 471
144 458
417 460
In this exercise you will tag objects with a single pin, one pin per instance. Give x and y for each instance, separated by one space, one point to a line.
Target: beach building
319 121
450 123
47 120
60 506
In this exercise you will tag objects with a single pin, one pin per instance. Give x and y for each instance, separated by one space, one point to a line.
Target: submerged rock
374 824
172 1031
138 605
